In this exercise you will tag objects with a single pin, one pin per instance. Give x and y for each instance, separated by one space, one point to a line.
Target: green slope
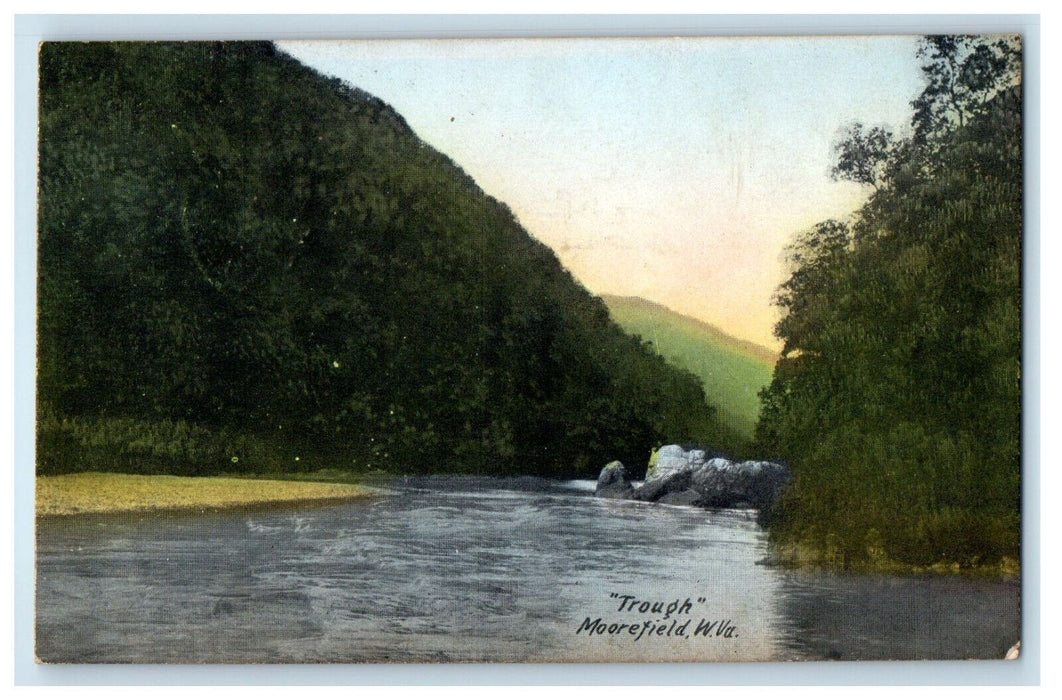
236 251
733 371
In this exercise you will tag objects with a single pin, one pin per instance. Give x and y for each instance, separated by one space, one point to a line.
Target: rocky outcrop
666 461
614 482
657 488
698 478
724 483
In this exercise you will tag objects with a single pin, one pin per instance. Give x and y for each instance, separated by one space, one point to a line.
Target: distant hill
733 370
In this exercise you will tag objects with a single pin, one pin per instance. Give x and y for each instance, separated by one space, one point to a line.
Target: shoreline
111 493
101 493
801 558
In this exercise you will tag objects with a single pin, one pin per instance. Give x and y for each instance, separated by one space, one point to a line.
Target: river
474 569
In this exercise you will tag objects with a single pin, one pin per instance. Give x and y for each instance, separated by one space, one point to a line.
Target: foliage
963 74
897 399
232 241
863 155
71 443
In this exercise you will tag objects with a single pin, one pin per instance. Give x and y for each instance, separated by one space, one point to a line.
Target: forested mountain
235 251
897 399
733 371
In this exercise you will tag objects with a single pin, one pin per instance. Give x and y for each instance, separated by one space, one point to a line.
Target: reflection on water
893 617
478 570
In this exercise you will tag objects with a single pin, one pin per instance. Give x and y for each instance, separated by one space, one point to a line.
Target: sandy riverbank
95 492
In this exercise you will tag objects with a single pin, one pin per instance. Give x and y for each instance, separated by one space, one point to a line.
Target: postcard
529 350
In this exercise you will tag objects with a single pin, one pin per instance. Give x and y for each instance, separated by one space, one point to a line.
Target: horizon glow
677 170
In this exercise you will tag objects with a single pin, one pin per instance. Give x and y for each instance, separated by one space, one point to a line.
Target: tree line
897 397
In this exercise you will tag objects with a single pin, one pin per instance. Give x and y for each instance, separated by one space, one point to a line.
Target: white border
29 30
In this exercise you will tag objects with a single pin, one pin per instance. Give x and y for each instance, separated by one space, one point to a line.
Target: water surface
471 569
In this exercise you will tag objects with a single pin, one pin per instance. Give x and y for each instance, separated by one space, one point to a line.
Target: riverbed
472 569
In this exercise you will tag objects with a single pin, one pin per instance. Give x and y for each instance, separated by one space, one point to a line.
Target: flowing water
474 569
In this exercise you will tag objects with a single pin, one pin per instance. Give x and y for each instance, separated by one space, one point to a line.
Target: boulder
614 481
723 483
698 477
655 489
668 460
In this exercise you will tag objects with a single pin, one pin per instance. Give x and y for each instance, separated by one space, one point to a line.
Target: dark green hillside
898 394
242 261
733 371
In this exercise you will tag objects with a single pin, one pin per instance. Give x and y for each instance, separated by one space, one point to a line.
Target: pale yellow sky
673 169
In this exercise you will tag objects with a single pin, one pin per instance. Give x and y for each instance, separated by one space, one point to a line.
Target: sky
677 170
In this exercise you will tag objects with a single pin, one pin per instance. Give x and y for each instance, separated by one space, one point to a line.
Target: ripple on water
465 570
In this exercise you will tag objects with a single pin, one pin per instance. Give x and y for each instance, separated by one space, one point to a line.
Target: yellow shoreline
95 492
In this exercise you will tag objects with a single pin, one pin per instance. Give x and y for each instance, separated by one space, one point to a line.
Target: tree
963 74
897 398
864 155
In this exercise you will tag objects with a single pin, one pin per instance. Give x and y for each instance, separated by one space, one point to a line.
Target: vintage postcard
529 350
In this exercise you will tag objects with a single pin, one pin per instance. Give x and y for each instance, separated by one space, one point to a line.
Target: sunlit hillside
733 371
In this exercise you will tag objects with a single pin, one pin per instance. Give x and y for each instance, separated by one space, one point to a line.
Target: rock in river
697 477
614 481
668 460
660 485
725 483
